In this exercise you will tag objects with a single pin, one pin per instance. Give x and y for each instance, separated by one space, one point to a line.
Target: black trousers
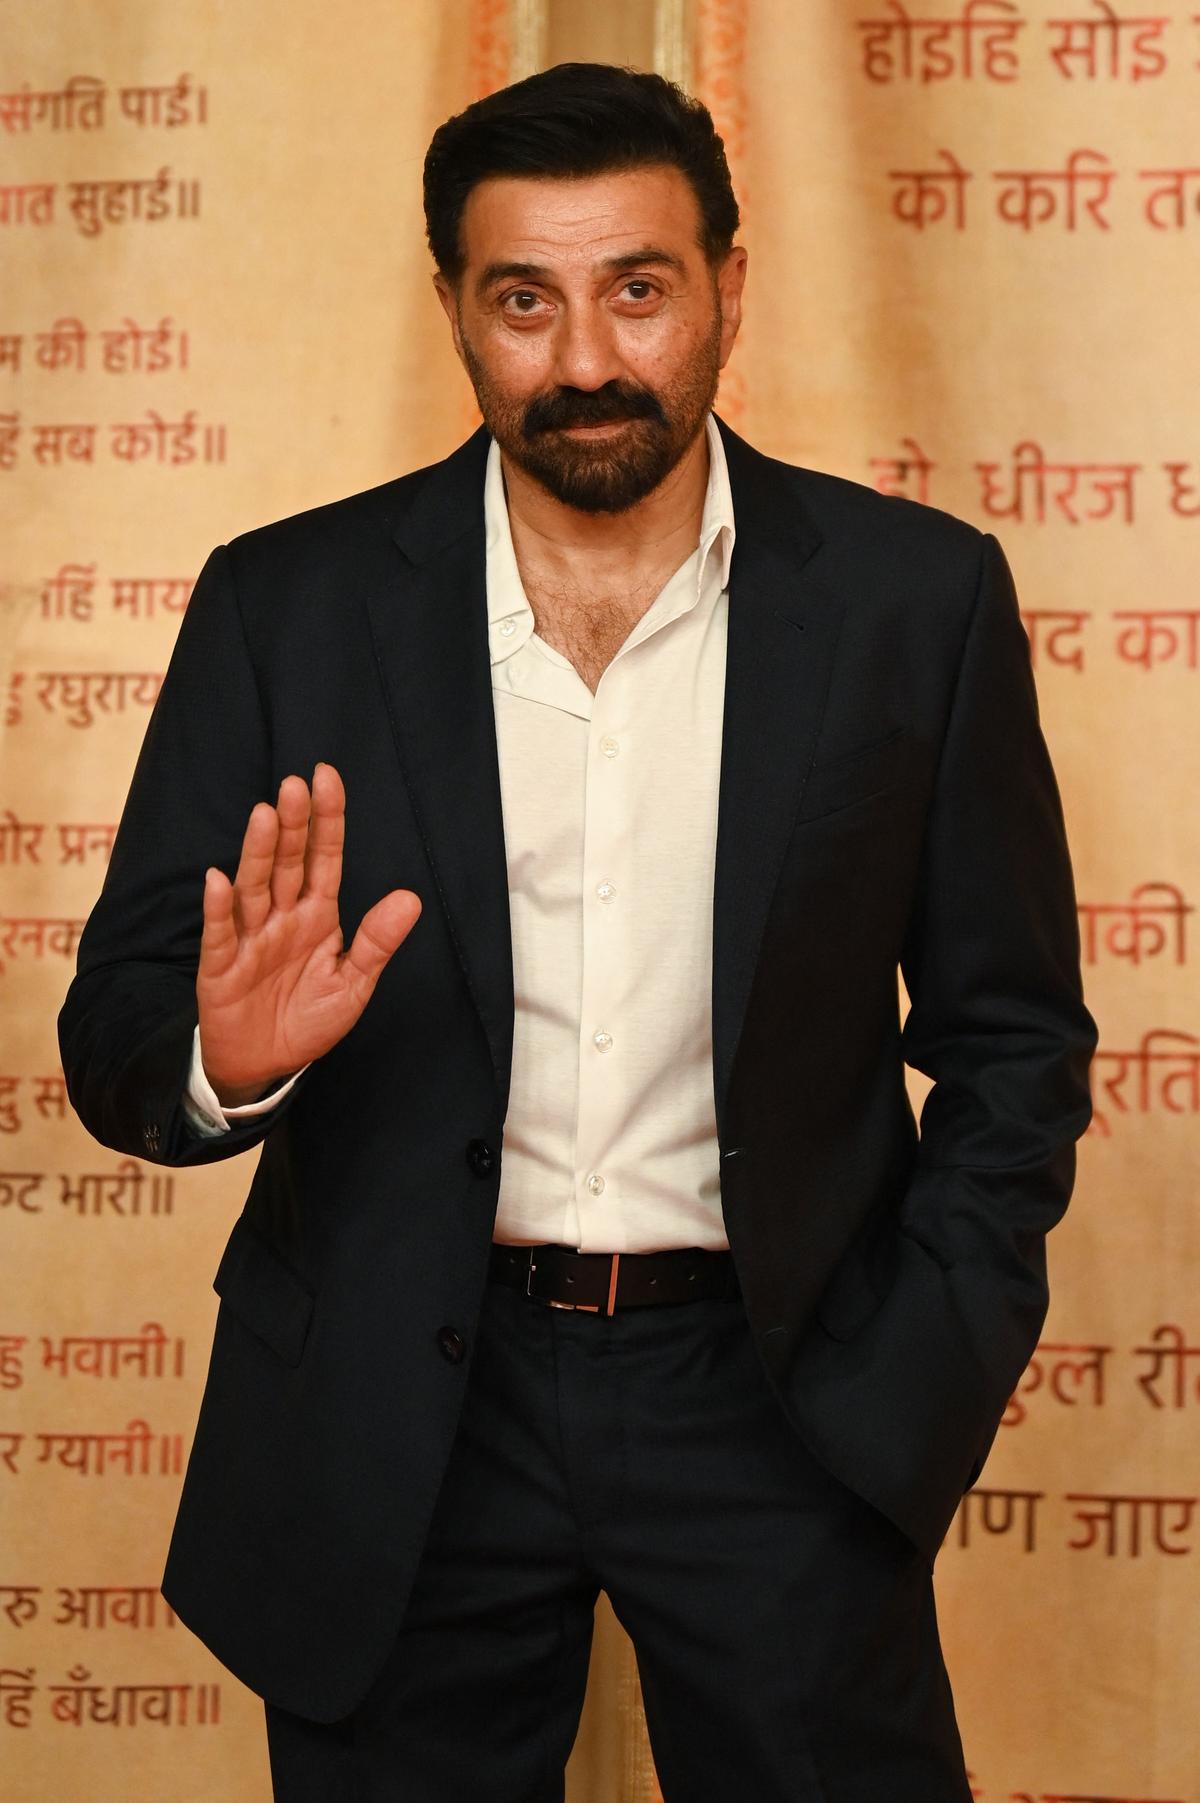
785 1630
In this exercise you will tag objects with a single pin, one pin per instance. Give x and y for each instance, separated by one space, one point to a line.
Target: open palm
274 988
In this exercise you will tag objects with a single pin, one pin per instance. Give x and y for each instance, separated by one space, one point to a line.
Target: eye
639 288
522 301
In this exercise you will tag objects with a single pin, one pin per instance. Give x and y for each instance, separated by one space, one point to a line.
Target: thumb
381 929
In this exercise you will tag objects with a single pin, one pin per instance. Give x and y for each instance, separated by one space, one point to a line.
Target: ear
731 279
449 301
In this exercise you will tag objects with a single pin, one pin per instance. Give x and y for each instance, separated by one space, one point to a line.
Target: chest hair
588 629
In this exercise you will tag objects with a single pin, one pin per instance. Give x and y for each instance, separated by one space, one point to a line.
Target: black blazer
885 799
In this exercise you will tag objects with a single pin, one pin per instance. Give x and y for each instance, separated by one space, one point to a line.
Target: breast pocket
859 775
264 1293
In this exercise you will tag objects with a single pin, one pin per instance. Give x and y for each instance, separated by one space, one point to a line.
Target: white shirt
610 822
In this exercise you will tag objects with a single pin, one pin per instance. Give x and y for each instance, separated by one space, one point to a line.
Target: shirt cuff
205 1112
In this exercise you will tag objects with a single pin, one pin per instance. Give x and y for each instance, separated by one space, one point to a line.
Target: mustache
597 407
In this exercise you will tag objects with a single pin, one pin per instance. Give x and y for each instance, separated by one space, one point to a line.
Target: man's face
592 327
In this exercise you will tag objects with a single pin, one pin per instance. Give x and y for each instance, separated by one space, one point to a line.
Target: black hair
576 119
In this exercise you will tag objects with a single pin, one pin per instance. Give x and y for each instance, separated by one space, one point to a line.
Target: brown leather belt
602 1282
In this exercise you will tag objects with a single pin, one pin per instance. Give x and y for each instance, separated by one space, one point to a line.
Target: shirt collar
510 617
716 523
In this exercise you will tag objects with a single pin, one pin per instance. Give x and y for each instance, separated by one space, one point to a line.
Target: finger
326 834
381 929
252 884
292 809
218 939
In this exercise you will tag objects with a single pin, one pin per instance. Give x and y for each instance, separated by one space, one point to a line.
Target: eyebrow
538 272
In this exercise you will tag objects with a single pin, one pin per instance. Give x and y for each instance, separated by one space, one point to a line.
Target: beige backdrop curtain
974 235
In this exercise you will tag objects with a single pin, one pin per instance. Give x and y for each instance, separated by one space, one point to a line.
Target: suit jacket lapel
431 639
782 631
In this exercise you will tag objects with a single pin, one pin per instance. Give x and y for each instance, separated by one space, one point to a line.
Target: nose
585 355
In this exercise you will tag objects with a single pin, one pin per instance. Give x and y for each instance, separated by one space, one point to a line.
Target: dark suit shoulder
838 505
899 559
351 536
854 523
334 527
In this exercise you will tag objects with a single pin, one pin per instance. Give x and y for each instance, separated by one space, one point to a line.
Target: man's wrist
238 1095
210 1112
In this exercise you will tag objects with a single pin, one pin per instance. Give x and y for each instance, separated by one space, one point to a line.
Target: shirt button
602 1040
606 890
507 628
609 746
595 1184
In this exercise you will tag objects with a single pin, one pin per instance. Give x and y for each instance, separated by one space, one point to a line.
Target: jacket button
452 1344
480 1157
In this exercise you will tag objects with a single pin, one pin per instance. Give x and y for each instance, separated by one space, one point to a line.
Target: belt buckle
583 1308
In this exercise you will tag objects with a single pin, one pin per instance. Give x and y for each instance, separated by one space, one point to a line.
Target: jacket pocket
264 1293
872 770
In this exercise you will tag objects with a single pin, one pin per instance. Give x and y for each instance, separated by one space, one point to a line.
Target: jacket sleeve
997 1019
125 1029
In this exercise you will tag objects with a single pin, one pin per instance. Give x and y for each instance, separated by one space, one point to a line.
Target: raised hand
274 988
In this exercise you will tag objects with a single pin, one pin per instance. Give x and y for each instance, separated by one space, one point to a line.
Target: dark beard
611 475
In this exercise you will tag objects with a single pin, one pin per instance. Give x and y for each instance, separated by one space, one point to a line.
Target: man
640 762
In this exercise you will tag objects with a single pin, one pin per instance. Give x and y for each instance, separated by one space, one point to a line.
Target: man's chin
600 474
589 490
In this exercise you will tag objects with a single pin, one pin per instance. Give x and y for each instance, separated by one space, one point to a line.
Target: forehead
555 219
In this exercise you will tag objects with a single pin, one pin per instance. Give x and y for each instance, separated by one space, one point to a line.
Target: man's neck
602 554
